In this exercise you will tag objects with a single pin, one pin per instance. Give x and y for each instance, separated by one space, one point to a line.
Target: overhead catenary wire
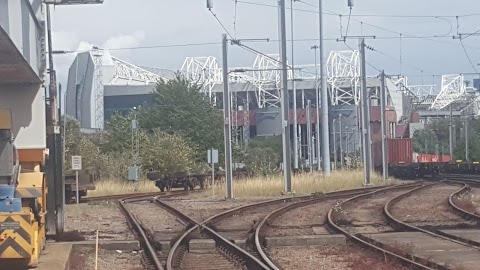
468 57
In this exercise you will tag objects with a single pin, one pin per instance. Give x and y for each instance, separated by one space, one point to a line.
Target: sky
426 46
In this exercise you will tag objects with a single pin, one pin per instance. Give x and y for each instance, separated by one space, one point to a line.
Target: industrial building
100 85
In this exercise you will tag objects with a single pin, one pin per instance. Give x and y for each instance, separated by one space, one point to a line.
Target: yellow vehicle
22 199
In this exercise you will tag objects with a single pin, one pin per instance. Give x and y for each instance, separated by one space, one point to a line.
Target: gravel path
86 218
84 258
329 258
429 207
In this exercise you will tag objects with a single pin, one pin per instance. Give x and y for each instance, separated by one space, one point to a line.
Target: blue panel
7 202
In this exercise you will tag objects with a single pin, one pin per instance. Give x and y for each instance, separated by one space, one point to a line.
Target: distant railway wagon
403 163
177 180
86 182
165 182
461 167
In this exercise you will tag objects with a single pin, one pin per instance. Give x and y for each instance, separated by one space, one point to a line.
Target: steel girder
343 76
453 87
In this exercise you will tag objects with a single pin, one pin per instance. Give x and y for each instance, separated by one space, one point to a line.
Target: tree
263 155
167 153
425 141
83 145
179 107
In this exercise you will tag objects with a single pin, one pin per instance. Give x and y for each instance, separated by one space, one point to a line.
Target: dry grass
253 187
115 186
302 184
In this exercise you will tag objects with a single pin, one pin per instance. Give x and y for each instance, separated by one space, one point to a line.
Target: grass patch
302 184
271 186
115 186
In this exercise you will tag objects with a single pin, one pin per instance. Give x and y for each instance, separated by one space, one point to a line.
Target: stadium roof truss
453 87
133 74
343 76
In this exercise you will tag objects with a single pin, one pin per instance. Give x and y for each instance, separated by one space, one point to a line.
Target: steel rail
287 208
210 221
462 212
231 212
134 224
396 223
374 245
119 196
236 252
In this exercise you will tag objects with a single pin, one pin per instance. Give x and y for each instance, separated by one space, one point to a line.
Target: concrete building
100 85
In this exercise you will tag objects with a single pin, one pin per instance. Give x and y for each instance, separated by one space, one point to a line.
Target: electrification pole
383 115
334 144
466 138
450 133
295 124
324 93
309 136
341 139
287 163
365 120
55 181
227 136
317 108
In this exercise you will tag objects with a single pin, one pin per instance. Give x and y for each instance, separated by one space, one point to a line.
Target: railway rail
469 215
260 229
229 250
416 263
399 224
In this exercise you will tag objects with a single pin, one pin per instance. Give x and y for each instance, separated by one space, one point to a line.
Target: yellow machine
22 200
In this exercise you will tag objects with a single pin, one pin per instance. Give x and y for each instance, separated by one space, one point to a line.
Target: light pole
324 93
317 105
334 144
295 124
287 169
227 135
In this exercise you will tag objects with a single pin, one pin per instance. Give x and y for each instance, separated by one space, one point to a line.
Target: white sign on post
76 163
77 166
212 159
212 155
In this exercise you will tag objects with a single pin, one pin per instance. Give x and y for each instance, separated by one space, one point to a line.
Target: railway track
407 226
228 255
453 202
260 230
416 263
152 257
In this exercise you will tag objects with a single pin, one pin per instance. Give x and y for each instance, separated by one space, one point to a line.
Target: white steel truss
204 71
267 80
132 73
98 88
453 87
343 77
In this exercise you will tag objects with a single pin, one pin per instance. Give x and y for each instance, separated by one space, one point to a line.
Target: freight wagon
177 180
86 182
403 163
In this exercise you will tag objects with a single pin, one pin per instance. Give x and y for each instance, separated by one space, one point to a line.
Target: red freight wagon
400 151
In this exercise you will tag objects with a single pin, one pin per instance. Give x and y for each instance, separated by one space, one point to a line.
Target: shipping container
415 117
401 131
445 158
400 151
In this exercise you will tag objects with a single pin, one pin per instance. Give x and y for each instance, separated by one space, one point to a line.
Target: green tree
263 155
167 153
425 141
77 143
179 107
